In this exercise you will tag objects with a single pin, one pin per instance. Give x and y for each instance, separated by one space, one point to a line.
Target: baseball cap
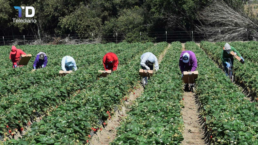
186 57
41 56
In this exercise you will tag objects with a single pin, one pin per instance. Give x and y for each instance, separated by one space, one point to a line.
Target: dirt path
163 54
192 132
183 46
108 134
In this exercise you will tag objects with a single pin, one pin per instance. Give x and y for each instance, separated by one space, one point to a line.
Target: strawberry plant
23 81
19 108
155 117
245 74
81 113
226 117
247 49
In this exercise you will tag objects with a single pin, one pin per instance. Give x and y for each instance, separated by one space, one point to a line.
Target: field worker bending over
40 61
15 55
68 63
187 61
148 59
110 61
227 58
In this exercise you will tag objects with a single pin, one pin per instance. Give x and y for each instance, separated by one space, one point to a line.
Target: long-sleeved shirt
148 56
68 61
191 65
225 55
38 62
108 57
16 57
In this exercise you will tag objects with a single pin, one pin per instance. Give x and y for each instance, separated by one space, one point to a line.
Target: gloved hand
15 66
242 58
34 67
227 65
42 65
156 69
182 75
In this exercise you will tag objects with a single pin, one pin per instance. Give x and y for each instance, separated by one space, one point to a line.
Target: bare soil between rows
108 134
193 133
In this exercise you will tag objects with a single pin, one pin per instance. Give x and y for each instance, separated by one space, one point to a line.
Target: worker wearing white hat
227 58
148 59
68 63
187 61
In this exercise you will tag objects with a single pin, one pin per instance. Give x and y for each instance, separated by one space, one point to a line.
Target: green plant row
247 49
155 118
10 100
226 116
91 54
72 122
17 109
53 52
245 74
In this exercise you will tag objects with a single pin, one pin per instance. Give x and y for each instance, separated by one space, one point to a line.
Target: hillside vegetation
103 18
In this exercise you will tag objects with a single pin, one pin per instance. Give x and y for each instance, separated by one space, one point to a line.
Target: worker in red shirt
110 61
15 55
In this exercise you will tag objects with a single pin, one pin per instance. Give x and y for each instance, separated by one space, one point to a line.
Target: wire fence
161 36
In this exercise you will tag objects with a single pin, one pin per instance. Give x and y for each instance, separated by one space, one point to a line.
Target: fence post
166 36
116 37
140 36
247 34
192 35
3 40
24 39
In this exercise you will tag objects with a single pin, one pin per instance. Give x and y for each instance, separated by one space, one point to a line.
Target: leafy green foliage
228 117
155 118
73 119
27 79
17 109
245 74
102 17
83 21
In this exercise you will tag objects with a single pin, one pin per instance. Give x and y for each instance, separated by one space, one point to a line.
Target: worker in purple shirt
187 62
40 61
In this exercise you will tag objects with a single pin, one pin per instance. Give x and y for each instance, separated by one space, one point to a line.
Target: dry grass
251 9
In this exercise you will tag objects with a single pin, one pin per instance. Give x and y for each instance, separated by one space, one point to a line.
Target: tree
83 21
